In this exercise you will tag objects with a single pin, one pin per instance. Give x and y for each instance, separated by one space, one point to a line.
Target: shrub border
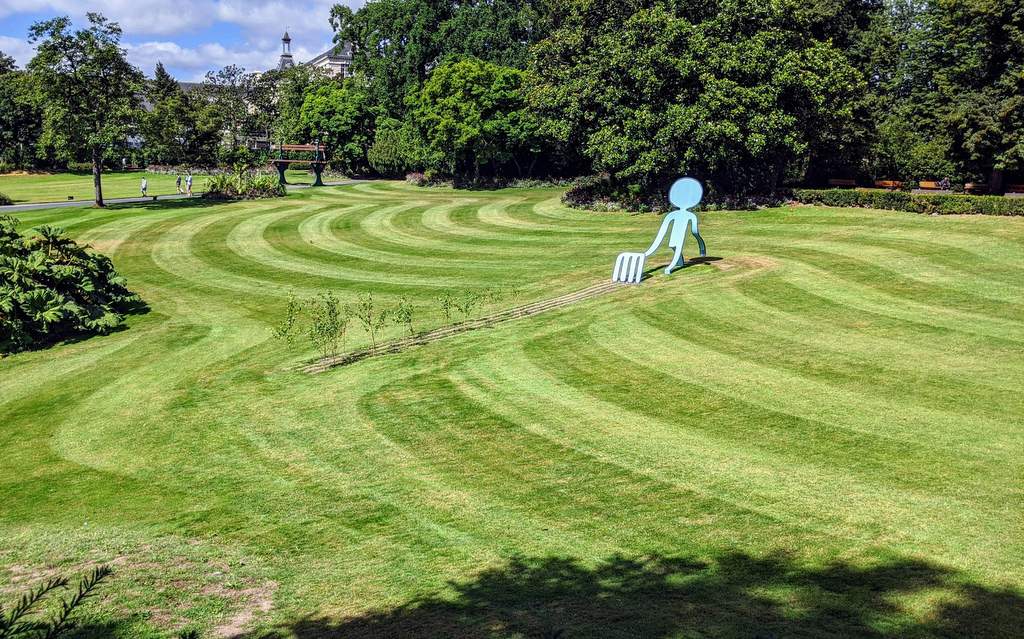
912 203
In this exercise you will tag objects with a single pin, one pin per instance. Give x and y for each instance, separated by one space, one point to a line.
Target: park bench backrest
294 147
842 182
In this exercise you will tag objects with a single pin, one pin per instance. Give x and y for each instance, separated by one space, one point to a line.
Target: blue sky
190 37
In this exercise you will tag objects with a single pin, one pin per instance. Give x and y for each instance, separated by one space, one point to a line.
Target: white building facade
336 61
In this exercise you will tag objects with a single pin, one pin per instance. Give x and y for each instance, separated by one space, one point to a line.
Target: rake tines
629 268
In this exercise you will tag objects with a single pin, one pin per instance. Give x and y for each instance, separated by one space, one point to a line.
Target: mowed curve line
807 393
319 231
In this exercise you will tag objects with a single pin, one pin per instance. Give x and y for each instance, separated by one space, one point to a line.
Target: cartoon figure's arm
661 236
696 234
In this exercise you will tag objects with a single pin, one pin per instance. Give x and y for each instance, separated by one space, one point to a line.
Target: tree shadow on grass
195 202
735 595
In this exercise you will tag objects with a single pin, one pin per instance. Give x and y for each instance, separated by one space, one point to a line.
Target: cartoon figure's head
686 193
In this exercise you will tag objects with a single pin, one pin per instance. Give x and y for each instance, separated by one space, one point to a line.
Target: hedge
913 203
4 200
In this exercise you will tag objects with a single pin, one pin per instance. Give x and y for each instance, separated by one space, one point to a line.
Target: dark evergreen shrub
52 289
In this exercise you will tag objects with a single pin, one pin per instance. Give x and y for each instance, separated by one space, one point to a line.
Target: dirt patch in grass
747 262
247 604
162 585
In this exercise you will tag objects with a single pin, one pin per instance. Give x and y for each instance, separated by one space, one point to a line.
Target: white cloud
175 17
18 49
194 62
134 16
261 23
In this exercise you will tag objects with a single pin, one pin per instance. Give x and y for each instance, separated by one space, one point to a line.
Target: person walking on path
177 184
145 186
188 183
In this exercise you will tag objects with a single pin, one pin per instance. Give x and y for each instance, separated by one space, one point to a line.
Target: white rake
629 268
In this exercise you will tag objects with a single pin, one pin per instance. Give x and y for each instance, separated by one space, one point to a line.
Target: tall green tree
337 113
905 138
733 91
396 43
229 92
292 87
163 85
179 128
90 93
473 114
6 63
977 54
20 116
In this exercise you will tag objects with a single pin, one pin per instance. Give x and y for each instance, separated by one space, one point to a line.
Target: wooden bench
295 147
926 186
892 185
842 183
1015 188
318 162
975 188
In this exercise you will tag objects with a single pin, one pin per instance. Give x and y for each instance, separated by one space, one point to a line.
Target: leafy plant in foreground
53 289
243 185
16 623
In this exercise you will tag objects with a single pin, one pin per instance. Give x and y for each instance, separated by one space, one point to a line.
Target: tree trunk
97 169
995 182
777 172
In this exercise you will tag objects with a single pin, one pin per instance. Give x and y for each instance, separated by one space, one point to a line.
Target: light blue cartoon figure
684 195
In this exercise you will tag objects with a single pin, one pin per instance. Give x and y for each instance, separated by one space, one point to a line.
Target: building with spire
336 61
286 61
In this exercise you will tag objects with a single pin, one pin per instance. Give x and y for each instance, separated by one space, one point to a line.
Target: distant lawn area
56 187
817 432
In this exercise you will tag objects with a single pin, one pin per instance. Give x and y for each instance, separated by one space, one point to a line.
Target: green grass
56 187
818 434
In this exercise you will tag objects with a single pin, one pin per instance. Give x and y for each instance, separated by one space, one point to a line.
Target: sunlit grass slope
818 434
56 187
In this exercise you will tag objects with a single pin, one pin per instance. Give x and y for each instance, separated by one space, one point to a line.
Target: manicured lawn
56 187
818 434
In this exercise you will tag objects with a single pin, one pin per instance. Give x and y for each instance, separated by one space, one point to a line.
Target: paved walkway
32 206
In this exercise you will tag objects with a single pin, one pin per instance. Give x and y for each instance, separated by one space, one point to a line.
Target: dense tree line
744 94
